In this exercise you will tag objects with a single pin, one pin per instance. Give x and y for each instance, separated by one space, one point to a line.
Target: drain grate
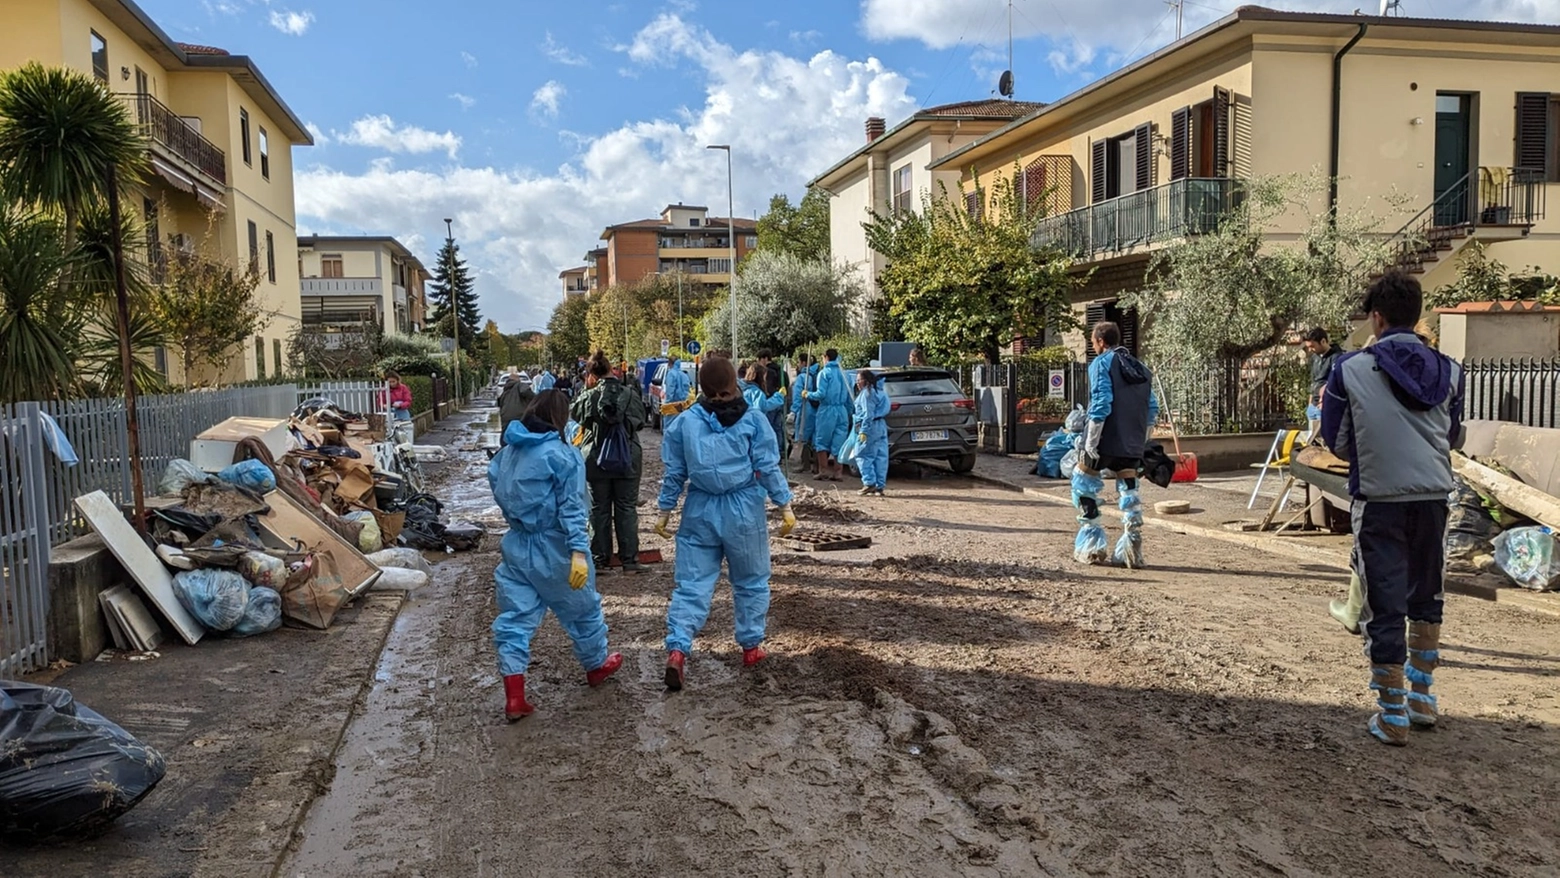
824 541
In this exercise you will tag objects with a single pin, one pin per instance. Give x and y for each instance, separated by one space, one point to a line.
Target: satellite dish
1005 84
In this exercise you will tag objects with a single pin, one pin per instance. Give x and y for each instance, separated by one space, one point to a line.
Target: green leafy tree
784 303
37 342
1232 293
801 230
451 289
629 321
206 307
1483 278
962 282
568 332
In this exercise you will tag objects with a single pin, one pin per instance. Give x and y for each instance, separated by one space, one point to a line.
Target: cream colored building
575 281
348 280
893 171
1463 118
221 147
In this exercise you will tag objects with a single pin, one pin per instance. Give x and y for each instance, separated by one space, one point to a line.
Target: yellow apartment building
1461 117
221 142
349 280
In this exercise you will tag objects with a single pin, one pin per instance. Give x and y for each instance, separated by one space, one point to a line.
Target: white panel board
139 561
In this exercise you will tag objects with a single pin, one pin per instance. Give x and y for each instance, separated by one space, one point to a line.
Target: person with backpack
514 400
723 452
610 415
538 482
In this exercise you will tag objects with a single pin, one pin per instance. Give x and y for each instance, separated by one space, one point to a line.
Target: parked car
654 395
648 369
929 417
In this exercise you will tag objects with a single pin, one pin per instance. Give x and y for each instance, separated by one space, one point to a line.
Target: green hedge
422 392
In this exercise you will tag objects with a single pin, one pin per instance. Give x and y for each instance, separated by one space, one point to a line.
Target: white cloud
294 23
466 101
544 101
381 132
787 118
470 59
318 133
562 54
1124 27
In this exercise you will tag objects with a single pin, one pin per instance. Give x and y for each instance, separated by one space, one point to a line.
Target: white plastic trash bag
400 579
179 475
1530 557
261 569
403 558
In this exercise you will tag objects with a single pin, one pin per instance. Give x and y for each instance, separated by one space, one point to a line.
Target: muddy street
958 699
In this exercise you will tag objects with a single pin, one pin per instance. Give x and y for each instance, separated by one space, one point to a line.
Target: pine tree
452 282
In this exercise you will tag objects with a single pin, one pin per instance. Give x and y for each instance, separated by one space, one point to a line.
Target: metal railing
1230 397
341 286
361 397
1511 196
1191 206
1503 197
167 129
1522 391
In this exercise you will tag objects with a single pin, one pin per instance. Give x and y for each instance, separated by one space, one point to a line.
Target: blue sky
534 125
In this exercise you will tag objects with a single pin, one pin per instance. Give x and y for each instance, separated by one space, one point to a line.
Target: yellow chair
1278 458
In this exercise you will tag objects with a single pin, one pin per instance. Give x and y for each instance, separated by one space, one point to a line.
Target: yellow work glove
862 438
787 520
663 525
672 408
579 571
806 393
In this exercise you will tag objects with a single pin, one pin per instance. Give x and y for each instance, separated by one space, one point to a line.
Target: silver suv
930 417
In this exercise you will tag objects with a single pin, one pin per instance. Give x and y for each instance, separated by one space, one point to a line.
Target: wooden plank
139 561
1508 492
824 541
288 522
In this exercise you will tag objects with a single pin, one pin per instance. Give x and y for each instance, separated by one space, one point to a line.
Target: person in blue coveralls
872 406
804 409
833 414
1122 410
538 481
723 452
546 380
674 391
753 390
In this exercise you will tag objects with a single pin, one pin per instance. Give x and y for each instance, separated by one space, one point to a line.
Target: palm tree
36 344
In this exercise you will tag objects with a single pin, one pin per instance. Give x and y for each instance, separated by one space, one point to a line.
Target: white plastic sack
179 475
1530 556
267 571
402 558
1069 463
400 579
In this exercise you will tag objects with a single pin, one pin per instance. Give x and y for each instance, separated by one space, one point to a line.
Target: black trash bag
462 535
65 771
1470 528
422 533
423 506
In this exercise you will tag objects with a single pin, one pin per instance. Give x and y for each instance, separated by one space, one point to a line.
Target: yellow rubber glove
862 438
806 393
579 571
787 520
663 525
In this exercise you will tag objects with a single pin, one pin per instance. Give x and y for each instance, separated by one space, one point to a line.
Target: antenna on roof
1391 7
1180 9
1005 84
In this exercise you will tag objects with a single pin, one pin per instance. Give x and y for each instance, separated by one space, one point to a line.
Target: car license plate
929 436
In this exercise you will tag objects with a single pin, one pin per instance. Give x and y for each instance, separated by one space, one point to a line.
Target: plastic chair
1278 457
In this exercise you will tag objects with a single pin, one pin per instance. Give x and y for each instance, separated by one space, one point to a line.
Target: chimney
875 128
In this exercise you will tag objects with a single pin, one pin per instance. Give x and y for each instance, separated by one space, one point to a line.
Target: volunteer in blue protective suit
804 409
538 481
1122 409
723 452
545 381
765 403
833 413
872 406
675 385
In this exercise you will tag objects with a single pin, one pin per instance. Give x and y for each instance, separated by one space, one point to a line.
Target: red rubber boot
674 670
515 705
751 657
607 669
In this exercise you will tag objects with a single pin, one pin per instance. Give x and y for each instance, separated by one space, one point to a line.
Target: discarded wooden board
116 629
289 523
1508 492
824 541
140 629
139 561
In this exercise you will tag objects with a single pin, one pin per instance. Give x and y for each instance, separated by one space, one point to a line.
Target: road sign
1056 388
666 345
694 348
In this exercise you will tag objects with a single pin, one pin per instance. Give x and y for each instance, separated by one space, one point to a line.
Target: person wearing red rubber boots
538 481
726 456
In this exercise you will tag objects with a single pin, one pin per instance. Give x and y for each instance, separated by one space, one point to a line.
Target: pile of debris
815 505
1498 524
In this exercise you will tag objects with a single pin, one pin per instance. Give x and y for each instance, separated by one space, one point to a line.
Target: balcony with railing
1190 206
176 138
341 286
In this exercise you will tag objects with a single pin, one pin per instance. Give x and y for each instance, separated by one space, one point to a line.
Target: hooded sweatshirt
1121 397
1394 411
538 481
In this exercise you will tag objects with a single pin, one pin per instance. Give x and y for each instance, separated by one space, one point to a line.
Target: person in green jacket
614 483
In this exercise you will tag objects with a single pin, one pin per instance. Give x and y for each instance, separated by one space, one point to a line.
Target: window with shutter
972 203
1035 185
1093 313
1533 150
1221 132
1181 143
1098 171
1143 138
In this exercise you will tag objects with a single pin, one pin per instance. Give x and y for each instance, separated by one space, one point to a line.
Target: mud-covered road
958 699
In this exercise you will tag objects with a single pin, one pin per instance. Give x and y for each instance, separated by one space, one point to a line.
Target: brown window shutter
1127 319
1034 185
1097 171
1181 143
1221 132
972 203
1093 312
1532 146
1143 138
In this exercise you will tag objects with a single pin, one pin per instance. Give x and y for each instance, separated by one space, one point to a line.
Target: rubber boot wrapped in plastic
1090 546
1129 549
65 771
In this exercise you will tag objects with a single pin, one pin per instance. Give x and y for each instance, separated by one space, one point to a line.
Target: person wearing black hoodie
1122 411
1394 412
614 484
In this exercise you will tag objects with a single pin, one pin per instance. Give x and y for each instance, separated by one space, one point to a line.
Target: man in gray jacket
1394 411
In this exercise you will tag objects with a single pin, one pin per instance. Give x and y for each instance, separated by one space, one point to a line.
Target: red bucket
1185 467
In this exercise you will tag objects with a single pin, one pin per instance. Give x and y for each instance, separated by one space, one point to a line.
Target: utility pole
449 244
680 342
731 239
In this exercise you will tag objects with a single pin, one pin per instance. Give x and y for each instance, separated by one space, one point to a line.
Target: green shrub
396 345
414 364
856 351
422 392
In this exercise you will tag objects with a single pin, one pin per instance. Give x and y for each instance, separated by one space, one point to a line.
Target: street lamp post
731 239
449 243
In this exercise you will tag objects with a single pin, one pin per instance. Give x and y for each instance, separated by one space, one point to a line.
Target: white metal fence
361 397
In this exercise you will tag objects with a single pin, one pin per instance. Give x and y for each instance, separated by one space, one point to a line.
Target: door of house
1453 189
